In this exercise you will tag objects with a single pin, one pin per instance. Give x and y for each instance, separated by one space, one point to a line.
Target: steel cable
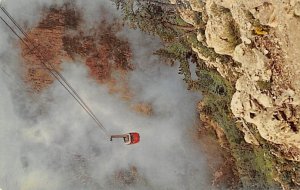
55 73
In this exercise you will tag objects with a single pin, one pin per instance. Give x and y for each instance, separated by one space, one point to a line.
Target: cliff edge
255 45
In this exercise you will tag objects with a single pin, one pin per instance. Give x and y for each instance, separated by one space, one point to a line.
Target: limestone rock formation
263 38
221 32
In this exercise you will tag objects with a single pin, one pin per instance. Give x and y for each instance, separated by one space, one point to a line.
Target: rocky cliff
262 37
261 43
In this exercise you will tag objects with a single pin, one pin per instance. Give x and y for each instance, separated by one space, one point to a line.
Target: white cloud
48 142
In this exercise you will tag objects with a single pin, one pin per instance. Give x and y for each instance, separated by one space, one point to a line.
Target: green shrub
264 85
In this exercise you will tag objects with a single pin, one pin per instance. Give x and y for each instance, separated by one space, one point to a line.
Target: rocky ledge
262 39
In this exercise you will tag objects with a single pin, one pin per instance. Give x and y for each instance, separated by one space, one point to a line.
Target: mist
48 142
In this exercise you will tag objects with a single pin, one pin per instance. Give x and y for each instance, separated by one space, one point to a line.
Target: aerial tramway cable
54 72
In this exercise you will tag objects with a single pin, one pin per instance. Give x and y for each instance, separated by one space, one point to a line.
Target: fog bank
48 142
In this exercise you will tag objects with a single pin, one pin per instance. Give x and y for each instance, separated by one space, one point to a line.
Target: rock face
59 37
52 28
263 38
221 31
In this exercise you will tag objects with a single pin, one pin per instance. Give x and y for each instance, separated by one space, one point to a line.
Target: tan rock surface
220 32
263 36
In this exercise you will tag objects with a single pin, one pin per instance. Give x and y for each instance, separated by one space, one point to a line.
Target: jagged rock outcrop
221 31
263 38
